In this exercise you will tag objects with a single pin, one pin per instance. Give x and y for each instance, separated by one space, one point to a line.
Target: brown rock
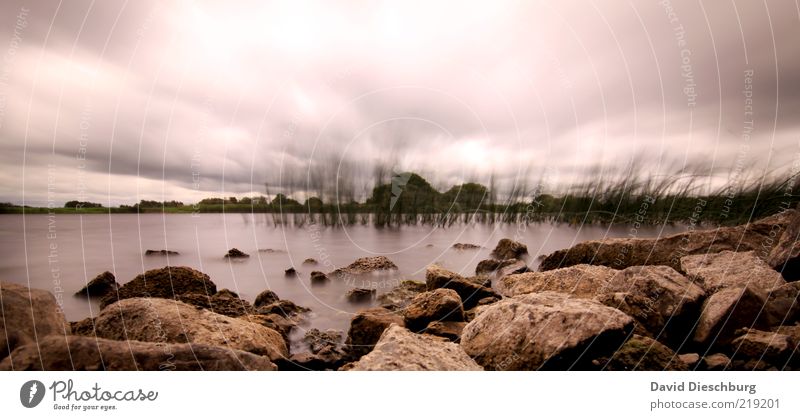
267 297
235 253
27 316
99 286
436 305
470 292
509 249
584 281
364 265
366 328
730 269
642 353
359 294
168 283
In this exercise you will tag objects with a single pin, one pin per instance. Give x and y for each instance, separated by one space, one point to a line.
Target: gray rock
364 265
359 294
547 330
234 253
400 349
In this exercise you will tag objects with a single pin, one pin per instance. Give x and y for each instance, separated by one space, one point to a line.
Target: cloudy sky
115 101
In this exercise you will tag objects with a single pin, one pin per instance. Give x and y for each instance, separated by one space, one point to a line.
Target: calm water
60 253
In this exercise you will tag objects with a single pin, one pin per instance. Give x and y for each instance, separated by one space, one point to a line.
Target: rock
450 330
84 327
163 320
481 280
310 261
151 252
584 281
366 328
318 277
491 265
400 349
235 253
728 310
437 277
267 297
360 295
783 303
90 353
223 302
784 255
399 297
664 303
642 353
284 308
548 330
290 272
516 267
327 348
99 286
364 265
271 251
626 252
691 360
771 347
168 283
27 316
509 249
730 269
487 301
465 247
717 361
436 305
274 321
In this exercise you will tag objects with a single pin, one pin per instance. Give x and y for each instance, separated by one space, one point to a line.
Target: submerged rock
310 261
235 253
728 310
103 284
359 294
168 282
785 255
465 247
318 277
400 349
436 305
626 252
509 249
399 297
547 330
364 265
152 252
290 272
470 292
267 297
90 353
366 328
170 321
731 269
28 315
772 347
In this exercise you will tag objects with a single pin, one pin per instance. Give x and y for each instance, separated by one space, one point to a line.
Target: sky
116 101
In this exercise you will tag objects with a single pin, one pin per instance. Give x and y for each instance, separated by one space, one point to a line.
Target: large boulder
27 316
663 302
548 330
168 283
90 353
163 320
728 310
224 302
399 297
366 329
509 249
584 281
642 353
103 284
730 269
364 265
626 252
470 292
436 305
772 347
400 349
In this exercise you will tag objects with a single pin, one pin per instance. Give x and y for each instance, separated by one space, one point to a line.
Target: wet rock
771 347
99 286
223 302
399 297
235 253
364 265
450 330
284 308
267 297
290 272
90 353
784 255
691 360
509 249
436 305
27 315
730 269
729 310
584 281
717 361
400 349
626 252
310 261
163 320
318 277
642 353
274 321
327 348
359 294
663 302
547 330
437 277
465 247
366 328
271 251
168 283
153 252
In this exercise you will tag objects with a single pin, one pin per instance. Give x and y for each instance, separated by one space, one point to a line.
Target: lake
62 252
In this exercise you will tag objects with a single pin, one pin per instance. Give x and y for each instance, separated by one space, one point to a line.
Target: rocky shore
716 299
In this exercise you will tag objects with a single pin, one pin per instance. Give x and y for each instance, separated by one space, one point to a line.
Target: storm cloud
117 101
